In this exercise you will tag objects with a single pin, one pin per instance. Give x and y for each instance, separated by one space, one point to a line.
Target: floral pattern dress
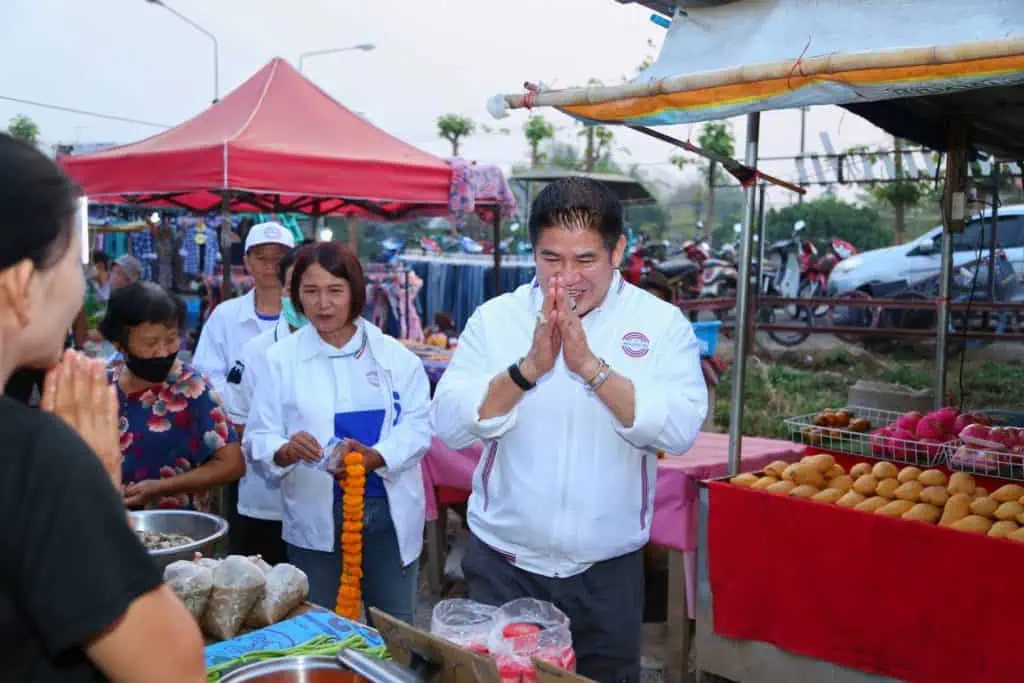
170 429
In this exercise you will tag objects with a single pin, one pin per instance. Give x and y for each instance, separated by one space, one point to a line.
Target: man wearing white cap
236 321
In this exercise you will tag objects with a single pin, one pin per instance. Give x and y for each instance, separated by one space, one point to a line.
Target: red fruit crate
887 435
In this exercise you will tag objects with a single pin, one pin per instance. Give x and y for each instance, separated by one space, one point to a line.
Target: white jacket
259 494
231 324
562 484
294 392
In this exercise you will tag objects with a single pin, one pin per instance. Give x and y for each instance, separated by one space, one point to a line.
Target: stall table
852 597
448 473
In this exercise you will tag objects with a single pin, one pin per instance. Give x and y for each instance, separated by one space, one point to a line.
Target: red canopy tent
275 144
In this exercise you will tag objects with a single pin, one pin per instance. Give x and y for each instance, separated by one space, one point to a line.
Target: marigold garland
353 489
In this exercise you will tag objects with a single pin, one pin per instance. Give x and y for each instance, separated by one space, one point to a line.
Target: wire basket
964 457
861 442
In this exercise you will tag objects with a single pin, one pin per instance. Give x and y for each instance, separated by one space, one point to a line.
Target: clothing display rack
391 293
457 283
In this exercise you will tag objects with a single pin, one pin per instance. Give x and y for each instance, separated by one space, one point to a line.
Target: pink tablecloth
675 512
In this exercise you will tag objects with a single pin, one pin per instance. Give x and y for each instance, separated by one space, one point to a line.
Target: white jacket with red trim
561 483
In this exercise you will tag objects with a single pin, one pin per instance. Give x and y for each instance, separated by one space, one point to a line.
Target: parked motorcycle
783 267
816 271
683 271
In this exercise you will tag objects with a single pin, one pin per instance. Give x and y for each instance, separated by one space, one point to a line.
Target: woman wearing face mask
177 443
339 378
80 599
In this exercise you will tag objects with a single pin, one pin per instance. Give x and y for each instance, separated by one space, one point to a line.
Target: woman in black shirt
80 599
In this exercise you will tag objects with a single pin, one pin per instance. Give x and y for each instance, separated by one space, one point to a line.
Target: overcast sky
134 59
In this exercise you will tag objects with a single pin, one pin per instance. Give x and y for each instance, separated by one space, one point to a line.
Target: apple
908 421
878 440
930 428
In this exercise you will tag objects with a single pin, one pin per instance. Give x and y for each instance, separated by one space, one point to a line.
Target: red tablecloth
901 599
675 519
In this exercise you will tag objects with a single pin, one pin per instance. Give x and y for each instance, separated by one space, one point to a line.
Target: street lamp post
213 38
364 47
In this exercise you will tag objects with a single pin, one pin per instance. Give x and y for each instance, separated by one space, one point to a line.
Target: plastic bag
260 563
465 623
192 583
237 586
528 628
208 562
287 586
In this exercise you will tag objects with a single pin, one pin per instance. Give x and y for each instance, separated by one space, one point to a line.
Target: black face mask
150 369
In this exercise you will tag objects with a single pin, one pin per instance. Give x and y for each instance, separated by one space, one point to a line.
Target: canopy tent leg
496 237
739 365
954 204
225 247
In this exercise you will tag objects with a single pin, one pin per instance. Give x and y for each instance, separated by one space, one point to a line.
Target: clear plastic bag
237 585
525 629
466 623
192 583
287 586
260 563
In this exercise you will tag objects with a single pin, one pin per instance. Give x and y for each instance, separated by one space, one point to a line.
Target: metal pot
204 528
293 670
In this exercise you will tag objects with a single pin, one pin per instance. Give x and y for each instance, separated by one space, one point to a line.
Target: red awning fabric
277 143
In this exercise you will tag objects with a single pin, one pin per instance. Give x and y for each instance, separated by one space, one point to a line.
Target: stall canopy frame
875 73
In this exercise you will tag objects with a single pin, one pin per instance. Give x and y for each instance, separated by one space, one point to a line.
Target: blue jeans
387 585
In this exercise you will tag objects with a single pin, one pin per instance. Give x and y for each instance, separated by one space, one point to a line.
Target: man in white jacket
573 383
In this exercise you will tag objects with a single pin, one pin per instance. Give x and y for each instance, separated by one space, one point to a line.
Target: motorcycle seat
711 262
675 267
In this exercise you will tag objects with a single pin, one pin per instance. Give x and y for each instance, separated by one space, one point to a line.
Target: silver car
921 257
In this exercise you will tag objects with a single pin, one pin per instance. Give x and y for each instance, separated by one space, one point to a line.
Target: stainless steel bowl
204 528
292 670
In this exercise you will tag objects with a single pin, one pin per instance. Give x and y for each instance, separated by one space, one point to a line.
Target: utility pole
899 204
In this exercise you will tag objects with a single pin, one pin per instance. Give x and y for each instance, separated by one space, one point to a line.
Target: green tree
827 218
537 129
715 137
24 128
455 128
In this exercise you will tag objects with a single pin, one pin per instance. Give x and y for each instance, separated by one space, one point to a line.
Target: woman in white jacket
340 378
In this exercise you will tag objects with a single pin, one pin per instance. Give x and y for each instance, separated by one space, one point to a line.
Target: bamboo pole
809 67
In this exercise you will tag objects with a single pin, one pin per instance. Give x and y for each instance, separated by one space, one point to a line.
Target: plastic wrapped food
260 563
526 629
237 587
466 623
192 583
287 586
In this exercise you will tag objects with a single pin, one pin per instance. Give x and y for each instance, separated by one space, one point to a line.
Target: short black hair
37 205
99 257
570 201
338 260
139 303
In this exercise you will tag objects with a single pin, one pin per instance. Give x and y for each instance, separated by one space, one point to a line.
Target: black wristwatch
517 376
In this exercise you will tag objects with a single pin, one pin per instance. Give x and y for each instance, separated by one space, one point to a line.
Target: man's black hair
577 203
99 257
138 303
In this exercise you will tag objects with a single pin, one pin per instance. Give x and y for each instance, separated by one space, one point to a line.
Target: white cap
269 233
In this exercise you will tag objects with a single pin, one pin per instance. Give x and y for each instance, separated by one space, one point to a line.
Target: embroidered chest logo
373 378
636 344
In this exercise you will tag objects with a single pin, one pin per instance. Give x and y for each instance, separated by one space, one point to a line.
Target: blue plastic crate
1004 418
707 336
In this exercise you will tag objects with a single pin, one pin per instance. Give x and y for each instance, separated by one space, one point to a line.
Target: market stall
951 81
279 144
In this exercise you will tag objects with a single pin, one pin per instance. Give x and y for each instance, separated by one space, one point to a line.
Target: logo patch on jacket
235 373
636 344
373 378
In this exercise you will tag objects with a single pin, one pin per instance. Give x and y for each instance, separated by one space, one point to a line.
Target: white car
922 258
